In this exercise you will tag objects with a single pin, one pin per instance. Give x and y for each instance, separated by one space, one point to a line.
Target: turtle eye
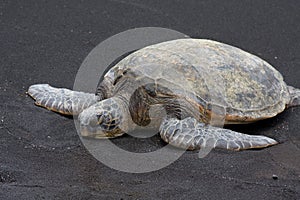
104 118
99 118
107 118
106 121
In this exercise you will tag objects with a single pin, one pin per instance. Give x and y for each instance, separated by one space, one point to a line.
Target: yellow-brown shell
210 74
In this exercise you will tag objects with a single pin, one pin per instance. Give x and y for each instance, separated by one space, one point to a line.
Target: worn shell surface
208 74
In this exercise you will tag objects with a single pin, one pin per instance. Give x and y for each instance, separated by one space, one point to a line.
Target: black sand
45 42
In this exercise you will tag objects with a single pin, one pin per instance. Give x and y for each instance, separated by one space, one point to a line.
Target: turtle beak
97 133
93 132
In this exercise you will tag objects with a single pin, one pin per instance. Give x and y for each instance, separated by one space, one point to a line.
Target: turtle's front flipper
295 96
61 100
191 134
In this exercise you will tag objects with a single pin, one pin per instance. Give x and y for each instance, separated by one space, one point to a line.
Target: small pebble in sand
275 177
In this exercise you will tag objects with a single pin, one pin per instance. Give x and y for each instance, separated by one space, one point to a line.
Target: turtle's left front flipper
191 134
61 100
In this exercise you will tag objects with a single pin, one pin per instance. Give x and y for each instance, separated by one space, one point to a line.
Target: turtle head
102 120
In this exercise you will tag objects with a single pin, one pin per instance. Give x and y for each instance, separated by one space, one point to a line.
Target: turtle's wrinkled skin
188 82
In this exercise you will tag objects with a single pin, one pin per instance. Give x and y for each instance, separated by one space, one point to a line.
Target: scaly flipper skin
61 100
295 96
191 134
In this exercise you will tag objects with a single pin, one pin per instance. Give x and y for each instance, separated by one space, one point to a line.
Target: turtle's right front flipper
61 100
191 134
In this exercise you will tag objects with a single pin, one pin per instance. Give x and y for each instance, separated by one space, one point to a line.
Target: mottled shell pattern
207 74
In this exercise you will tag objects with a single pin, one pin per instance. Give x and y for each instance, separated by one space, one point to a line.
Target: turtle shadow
139 145
66 116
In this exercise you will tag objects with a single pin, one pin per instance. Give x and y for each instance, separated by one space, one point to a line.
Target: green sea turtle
191 80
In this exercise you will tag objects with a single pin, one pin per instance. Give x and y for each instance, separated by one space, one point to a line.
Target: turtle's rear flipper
61 100
191 134
295 96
